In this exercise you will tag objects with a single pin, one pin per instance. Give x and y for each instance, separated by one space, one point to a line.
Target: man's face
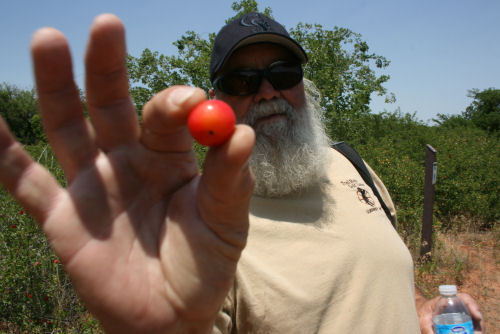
289 152
260 56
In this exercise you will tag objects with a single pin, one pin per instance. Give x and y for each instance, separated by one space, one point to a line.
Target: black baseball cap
248 29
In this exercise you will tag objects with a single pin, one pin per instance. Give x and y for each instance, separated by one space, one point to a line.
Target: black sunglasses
240 82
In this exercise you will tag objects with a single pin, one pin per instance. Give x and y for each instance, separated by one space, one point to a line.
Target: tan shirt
325 261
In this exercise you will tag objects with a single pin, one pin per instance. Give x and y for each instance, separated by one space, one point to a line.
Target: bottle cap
448 290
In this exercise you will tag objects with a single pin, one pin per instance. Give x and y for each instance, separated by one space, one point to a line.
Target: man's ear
211 93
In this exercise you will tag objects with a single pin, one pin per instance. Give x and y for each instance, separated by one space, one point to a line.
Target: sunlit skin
259 56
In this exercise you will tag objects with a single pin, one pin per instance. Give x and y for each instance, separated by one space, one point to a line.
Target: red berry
212 122
56 261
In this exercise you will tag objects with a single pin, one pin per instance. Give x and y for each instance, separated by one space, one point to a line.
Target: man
321 253
153 246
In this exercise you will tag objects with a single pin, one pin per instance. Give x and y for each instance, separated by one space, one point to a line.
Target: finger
474 310
31 184
67 129
471 305
427 329
226 187
425 312
426 324
165 116
108 99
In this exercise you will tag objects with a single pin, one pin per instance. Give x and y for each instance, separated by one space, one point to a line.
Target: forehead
258 56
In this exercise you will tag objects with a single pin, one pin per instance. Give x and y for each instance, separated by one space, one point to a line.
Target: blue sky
438 49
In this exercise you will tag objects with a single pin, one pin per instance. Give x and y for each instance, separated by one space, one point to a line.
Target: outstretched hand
150 244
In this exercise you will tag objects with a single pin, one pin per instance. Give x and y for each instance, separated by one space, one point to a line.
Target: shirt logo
364 196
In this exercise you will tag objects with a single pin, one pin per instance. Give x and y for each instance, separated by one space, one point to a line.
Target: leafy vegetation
18 107
484 111
468 181
35 294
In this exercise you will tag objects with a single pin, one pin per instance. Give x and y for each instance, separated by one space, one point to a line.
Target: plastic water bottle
451 315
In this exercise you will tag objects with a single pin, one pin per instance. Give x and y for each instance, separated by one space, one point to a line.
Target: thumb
226 186
425 312
474 311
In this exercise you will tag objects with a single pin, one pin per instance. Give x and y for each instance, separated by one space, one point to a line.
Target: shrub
468 180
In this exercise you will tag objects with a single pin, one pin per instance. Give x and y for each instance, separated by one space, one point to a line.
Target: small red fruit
211 122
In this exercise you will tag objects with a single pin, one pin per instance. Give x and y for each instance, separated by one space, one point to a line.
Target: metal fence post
430 180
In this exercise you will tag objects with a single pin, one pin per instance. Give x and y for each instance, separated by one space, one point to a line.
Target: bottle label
463 328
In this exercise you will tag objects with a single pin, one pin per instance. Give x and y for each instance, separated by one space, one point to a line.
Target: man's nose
266 91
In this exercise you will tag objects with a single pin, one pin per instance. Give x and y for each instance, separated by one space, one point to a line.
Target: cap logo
257 22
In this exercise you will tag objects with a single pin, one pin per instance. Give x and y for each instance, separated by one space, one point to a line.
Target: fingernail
180 95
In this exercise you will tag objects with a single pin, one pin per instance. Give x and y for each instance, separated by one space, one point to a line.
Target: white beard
290 153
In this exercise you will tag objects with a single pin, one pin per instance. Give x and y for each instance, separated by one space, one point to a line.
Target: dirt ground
482 280
477 271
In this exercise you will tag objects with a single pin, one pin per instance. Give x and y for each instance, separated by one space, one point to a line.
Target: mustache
267 108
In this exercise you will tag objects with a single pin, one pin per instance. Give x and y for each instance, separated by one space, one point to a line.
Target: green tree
484 111
153 72
18 107
150 73
452 121
339 63
247 6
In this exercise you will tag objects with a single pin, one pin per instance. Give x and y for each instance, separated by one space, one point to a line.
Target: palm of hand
109 229
148 242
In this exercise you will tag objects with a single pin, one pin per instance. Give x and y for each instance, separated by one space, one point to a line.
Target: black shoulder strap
354 157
